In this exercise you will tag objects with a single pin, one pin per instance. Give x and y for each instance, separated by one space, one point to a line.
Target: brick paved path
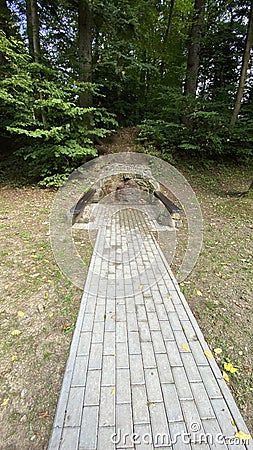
138 361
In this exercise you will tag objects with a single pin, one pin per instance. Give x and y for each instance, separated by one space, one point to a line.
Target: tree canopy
72 70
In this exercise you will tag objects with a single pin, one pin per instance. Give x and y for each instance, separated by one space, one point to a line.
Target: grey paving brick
105 438
124 423
202 401
182 343
90 305
123 393
84 343
110 322
80 370
134 342
154 392
198 353
225 419
213 434
138 299
189 331
95 360
110 306
130 304
109 343
70 438
141 313
192 419
148 355
99 313
107 406
181 312
108 370
121 332
169 306
92 389
158 342
178 435
164 368
149 303
120 312
173 354
143 437
181 381
167 331
161 312
74 407
210 382
153 321
132 324
140 404
171 401
89 428
136 369
191 368
88 322
122 357
174 321
144 331
98 332
159 425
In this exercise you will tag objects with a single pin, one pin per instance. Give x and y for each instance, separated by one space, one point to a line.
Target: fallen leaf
113 391
51 315
5 402
209 354
16 332
6 287
14 358
217 350
226 377
233 423
230 368
43 415
243 436
21 313
199 293
184 346
240 353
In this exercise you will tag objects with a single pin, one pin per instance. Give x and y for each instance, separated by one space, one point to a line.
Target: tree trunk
245 65
192 70
33 33
167 33
85 49
33 29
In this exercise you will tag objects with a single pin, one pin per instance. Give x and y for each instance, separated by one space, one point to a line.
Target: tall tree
85 48
167 32
193 59
245 65
33 29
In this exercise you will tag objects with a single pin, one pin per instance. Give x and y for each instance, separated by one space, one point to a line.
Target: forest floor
38 306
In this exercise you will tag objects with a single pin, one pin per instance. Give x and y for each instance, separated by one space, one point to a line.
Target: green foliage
207 134
54 134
